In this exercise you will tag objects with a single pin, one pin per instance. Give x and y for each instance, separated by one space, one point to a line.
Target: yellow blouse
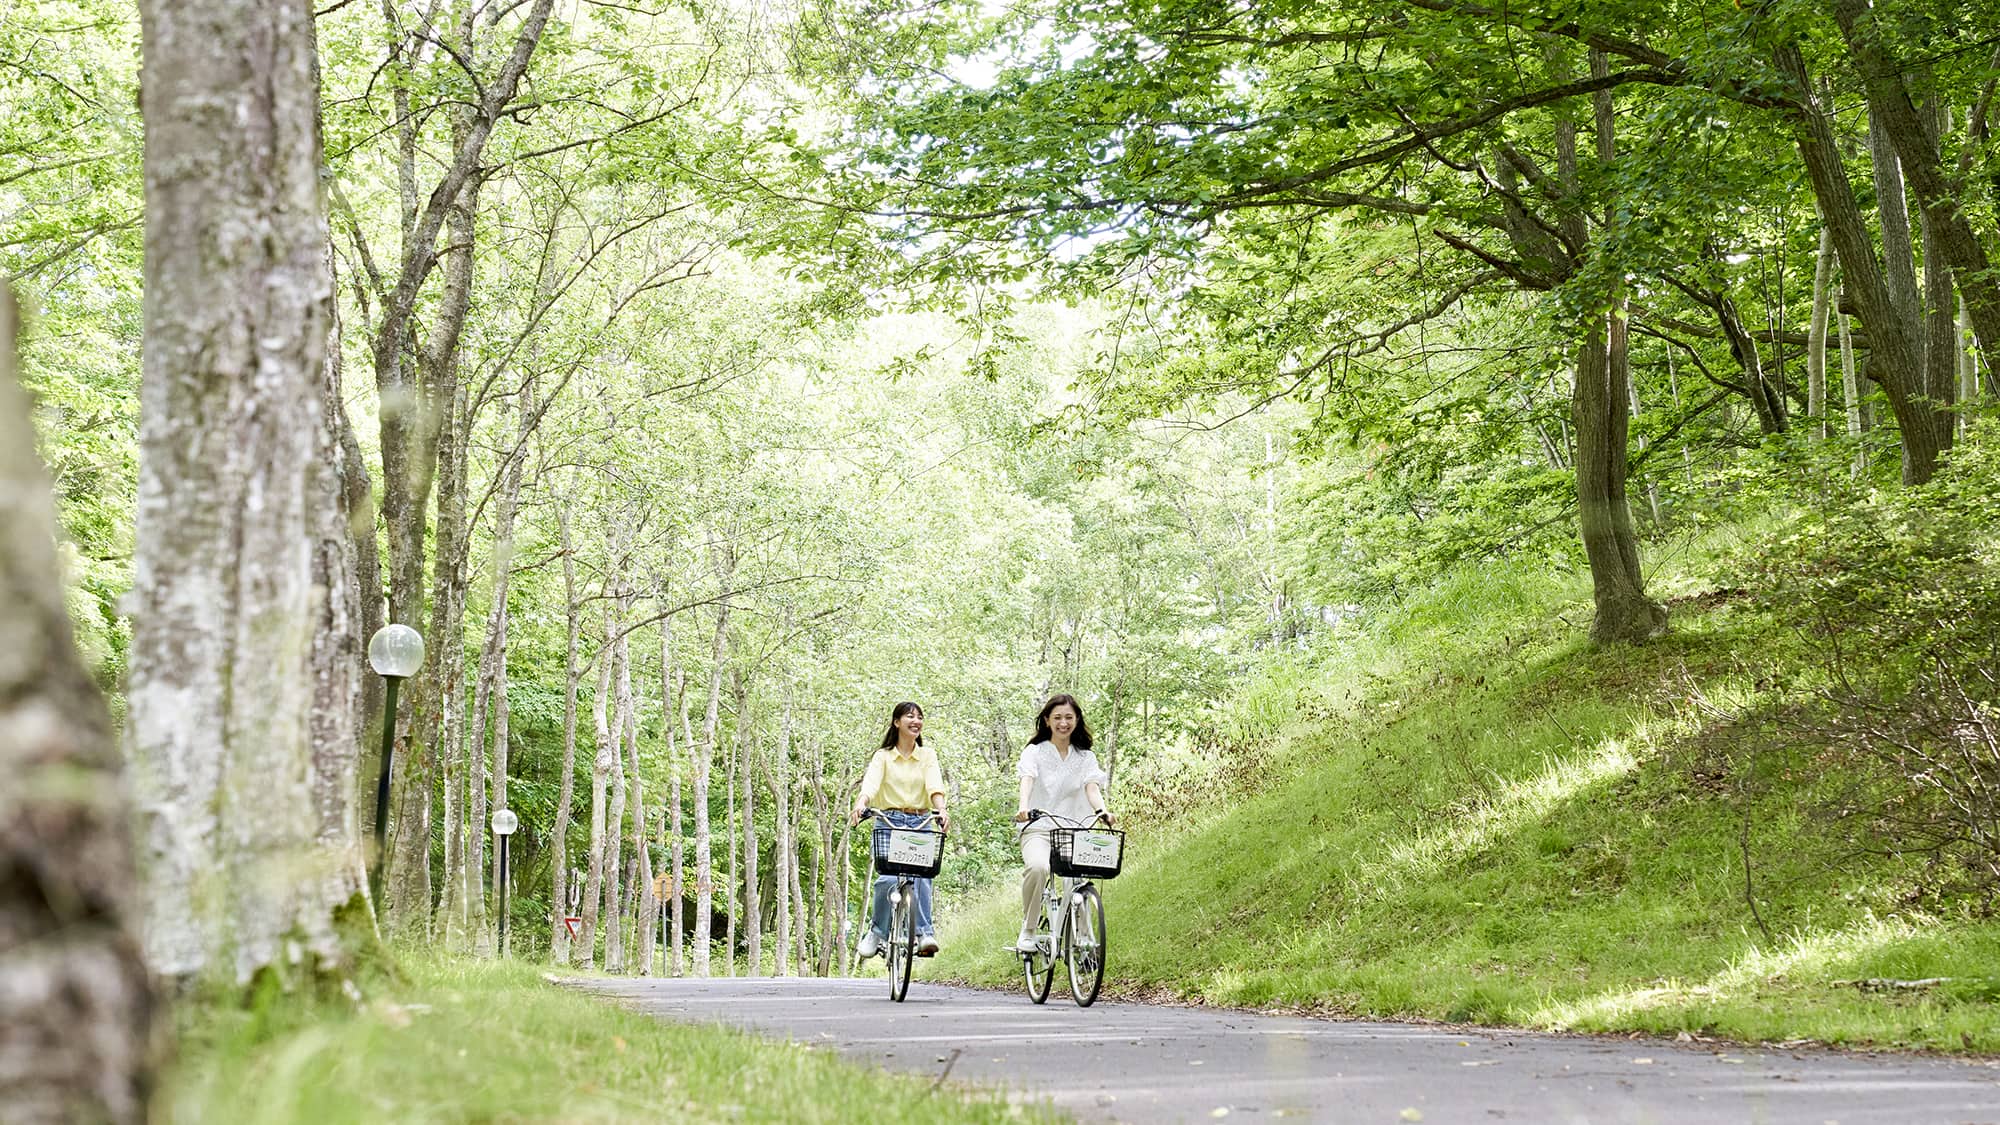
894 781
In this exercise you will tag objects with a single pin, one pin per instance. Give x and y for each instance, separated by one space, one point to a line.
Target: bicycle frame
900 950
1065 899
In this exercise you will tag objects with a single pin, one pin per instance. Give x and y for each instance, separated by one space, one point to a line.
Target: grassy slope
476 1041
1470 815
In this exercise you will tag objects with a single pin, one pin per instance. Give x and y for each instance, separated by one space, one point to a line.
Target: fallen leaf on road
1412 1114
1642 1062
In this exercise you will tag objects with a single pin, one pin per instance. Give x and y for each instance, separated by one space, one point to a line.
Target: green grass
478 1041
1467 814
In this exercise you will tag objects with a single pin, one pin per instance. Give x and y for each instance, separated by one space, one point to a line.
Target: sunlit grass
476 1041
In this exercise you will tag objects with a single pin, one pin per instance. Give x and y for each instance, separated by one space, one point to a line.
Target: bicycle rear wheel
902 940
1040 966
1086 945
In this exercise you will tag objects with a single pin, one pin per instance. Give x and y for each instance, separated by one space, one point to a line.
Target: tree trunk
559 945
731 912
1968 367
441 706
753 910
227 616
822 860
614 837
1893 361
779 773
704 863
1600 409
1816 338
673 698
1892 206
76 1006
1916 145
600 774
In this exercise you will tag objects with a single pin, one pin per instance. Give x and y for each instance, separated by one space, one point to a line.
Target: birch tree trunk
76 1005
673 698
1968 366
496 633
600 772
784 853
704 863
753 908
823 860
731 915
441 705
614 837
1816 338
228 616
559 945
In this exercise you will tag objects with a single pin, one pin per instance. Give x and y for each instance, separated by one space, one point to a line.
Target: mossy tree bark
75 1003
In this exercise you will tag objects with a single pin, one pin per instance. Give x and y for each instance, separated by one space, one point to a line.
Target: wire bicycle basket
1086 853
916 852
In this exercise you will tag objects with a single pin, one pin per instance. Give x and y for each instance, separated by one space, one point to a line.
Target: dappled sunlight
1515 804
1809 953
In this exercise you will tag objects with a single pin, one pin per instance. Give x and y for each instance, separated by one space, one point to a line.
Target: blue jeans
886 883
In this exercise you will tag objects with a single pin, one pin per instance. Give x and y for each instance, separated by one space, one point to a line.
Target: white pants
1034 876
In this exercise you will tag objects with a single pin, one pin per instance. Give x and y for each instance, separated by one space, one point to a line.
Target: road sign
574 923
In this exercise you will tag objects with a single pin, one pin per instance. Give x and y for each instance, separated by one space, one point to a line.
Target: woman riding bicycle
905 787
1059 775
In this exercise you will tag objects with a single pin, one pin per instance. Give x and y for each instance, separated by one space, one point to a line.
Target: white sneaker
1026 943
870 945
927 946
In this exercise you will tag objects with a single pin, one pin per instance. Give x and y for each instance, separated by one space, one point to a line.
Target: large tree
244 777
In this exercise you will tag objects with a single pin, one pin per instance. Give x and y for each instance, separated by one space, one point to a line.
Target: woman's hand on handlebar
856 814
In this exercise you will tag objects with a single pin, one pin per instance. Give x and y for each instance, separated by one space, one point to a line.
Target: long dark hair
1078 737
896 716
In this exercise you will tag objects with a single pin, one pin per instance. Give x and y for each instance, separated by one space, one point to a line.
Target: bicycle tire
1040 966
1085 950
902 941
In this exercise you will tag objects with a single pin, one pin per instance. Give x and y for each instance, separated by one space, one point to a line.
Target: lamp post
395 652
504 824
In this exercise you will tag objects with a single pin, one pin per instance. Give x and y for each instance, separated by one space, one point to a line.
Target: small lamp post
395 652
504 824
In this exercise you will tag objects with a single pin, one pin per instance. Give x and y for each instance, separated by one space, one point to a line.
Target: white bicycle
1071 928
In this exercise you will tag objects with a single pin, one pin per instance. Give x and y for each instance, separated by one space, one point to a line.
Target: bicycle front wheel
902 940
1040 966
1086 945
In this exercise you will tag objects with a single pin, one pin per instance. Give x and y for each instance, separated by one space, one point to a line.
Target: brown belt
907 810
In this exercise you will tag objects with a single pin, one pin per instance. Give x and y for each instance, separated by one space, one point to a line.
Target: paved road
1151 1063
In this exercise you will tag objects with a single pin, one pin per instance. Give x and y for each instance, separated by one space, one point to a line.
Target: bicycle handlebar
1043 814
932 816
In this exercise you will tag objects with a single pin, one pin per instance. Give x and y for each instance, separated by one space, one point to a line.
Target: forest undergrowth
1767 825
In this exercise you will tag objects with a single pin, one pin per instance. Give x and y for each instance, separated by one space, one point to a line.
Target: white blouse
1059 781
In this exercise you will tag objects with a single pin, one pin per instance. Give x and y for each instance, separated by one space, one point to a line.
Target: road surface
1153 1063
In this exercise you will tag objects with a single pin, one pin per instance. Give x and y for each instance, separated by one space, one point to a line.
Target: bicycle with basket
908 854
1071 928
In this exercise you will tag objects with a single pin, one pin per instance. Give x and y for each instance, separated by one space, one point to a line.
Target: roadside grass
1470 815
483 1041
